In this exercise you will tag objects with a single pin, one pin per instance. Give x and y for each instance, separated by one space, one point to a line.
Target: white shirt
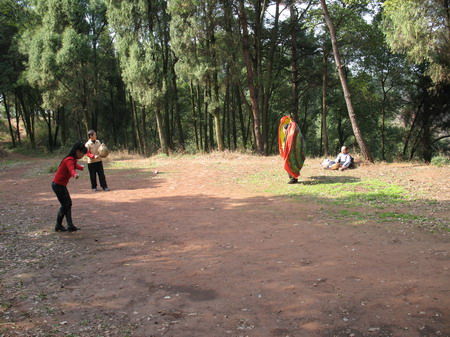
344 158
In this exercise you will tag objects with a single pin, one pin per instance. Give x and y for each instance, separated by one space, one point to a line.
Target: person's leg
293 180
61 194
101 176
92 175
68 213
71 227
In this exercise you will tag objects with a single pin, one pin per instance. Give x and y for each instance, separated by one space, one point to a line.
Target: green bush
53 167
440 160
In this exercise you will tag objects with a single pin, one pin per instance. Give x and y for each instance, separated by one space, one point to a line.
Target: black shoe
106 189
293 181
72 228
60 228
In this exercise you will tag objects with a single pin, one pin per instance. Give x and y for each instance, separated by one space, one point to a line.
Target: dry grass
123 155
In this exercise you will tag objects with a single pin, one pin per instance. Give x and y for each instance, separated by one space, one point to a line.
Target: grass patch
348 213
26 150
357 217
5 306
374 192
42 168
340 190
400 216
6 164
132 164
52 168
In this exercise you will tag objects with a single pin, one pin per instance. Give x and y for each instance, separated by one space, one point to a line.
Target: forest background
197 76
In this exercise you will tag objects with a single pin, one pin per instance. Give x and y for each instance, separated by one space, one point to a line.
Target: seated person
343 160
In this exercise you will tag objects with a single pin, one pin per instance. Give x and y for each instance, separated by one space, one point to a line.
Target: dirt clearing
220 245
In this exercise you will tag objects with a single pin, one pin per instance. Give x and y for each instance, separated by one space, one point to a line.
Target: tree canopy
158 75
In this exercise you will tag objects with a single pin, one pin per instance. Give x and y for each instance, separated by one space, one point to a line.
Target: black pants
66 204
94 169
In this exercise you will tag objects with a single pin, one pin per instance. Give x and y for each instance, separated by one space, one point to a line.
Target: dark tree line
196 76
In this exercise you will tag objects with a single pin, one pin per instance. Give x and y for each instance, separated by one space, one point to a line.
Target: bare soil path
193 251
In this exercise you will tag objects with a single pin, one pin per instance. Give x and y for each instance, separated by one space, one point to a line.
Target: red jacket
66 170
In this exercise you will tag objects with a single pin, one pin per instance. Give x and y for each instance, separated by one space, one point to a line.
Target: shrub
440 160
53 167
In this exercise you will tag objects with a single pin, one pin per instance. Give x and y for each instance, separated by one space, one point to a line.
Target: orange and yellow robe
292 146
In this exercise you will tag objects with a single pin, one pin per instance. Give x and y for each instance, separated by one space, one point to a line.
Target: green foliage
440 161
140 48
144 72
420 29
53 167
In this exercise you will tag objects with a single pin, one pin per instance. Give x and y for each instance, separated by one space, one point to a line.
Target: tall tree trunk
383 115
63 123
194 114
125 118
17 108
79 123
8 116
383 121
138 130
413 125
241 116
324 130
113 115
231 102
227 114
267 84
200 117
427 121
294 62
219 134
212 122
133 123
56 118
206 146
167 126
95 99
177 108
161 132
216 114
214 86
233 117
84 105
348 100
383 141
426 143
48 120
144 131
226 118
250 81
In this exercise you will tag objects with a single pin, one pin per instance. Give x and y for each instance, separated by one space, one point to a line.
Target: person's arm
79 167
70 164
338 158
90 155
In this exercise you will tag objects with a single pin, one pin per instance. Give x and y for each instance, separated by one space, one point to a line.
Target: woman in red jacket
65 171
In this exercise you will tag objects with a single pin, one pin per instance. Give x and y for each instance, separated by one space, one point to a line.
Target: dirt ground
192 252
